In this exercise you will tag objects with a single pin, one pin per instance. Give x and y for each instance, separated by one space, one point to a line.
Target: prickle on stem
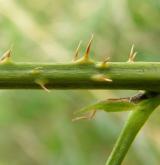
132 55
87 117
86 57
6 57
101 77
77 51
43 87
104 63
36 70
42 83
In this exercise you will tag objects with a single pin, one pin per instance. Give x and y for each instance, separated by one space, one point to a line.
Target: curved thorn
86 55
77 51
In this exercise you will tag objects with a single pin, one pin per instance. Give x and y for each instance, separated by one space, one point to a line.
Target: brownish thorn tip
132 55
85 58
86 55
77 51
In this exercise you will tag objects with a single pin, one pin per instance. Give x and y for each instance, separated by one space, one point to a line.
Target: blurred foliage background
36 126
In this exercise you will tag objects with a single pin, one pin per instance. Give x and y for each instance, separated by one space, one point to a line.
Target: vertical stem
136 120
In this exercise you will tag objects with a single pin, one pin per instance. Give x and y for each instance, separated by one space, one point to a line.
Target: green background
36 126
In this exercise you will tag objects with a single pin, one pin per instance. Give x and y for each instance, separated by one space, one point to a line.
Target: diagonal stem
136 120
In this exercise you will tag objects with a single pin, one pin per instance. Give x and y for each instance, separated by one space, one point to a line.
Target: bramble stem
137 76
136 120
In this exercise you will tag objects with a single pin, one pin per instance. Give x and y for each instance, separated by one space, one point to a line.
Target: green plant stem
91 75
138 76
136 120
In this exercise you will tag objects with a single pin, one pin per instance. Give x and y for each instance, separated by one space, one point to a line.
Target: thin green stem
136 120
121 75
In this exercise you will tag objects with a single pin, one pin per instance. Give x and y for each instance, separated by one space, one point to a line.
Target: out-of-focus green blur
36 126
